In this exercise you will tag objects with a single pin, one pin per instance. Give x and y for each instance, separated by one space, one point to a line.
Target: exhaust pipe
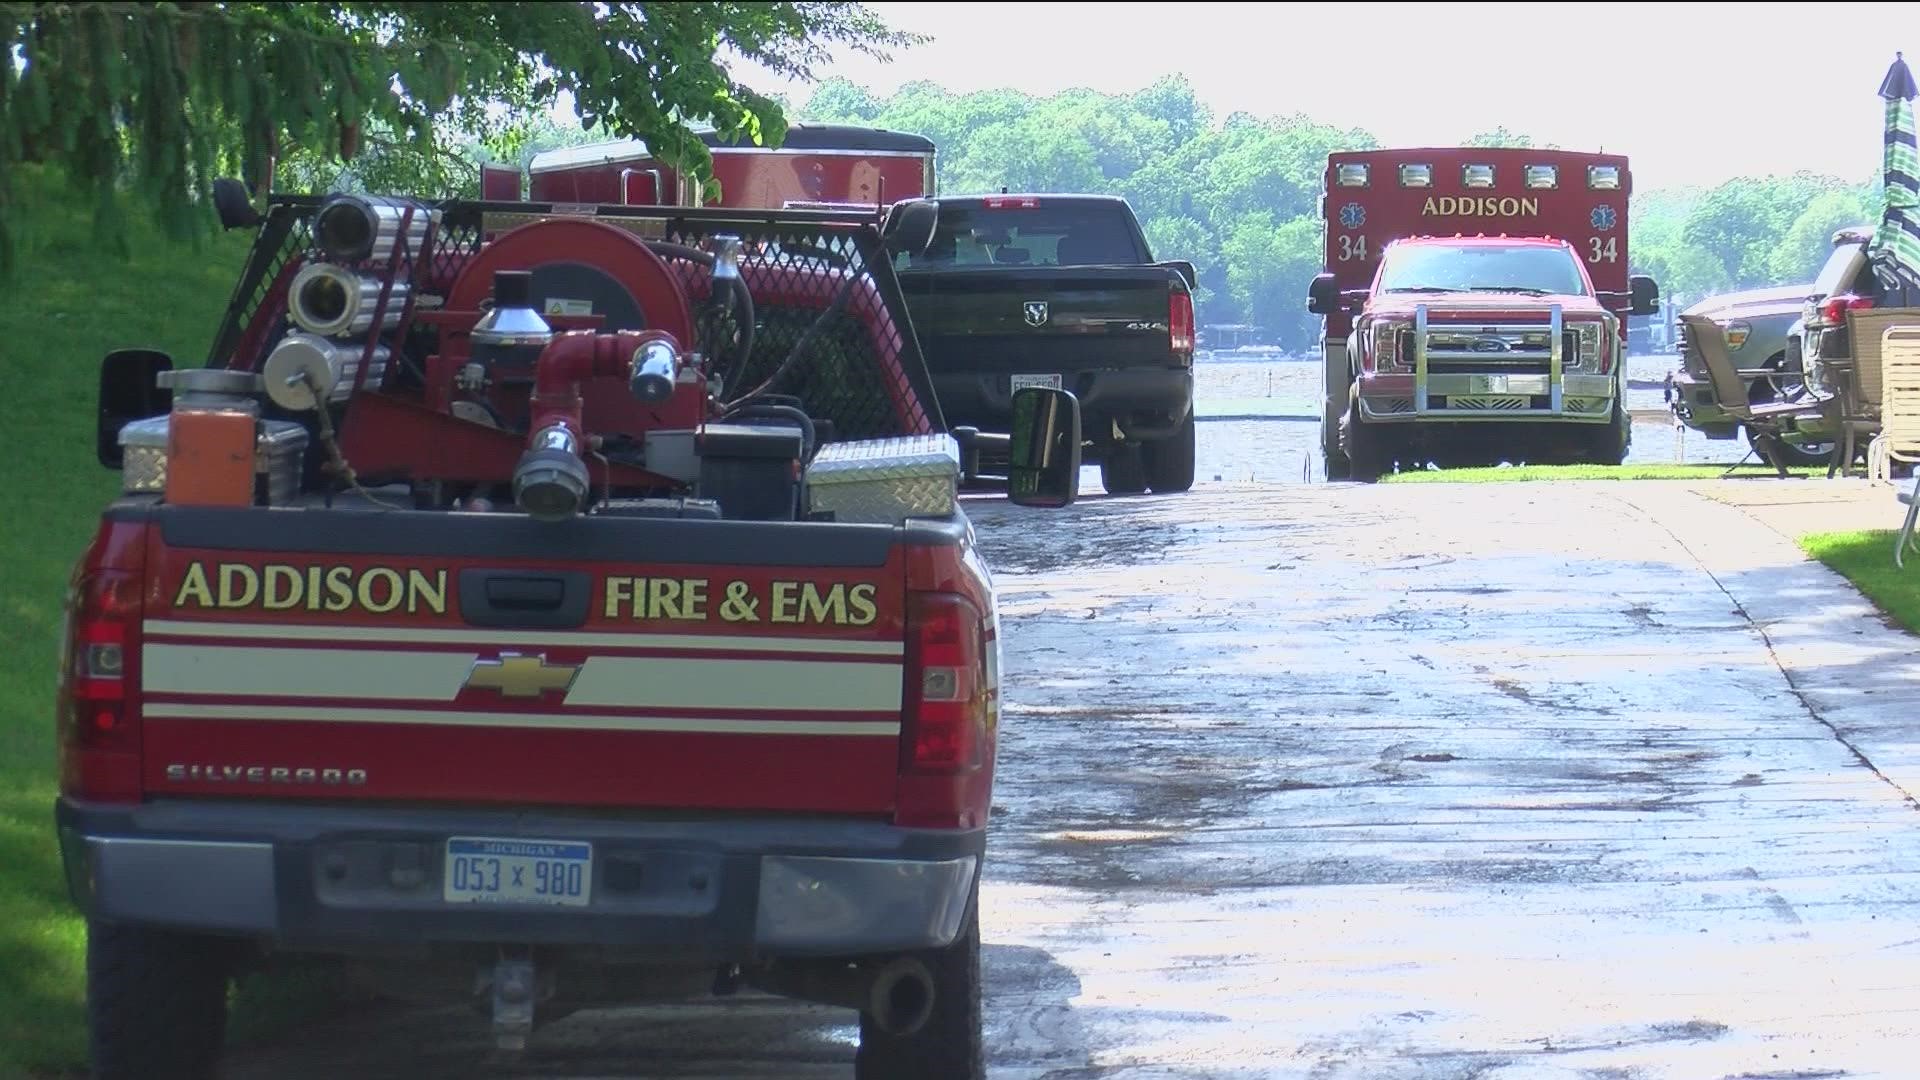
898 996
901 1000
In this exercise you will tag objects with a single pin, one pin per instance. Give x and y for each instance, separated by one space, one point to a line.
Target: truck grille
1510 349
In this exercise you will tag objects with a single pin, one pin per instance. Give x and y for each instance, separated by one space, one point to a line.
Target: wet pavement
1431 782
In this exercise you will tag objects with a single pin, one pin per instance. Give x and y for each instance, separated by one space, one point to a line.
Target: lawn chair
1904 538
1765 423
1860 380
1899 437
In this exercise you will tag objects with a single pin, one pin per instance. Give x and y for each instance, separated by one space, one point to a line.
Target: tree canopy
160 99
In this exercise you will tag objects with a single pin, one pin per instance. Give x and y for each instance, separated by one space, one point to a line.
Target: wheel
156 1003
1364 446
1170 461
1792 388
947 1046
1609 445
1791 454
1123 470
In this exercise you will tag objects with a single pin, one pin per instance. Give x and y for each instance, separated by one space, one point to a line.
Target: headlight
1737 334
1588 336
1384 337
1590 346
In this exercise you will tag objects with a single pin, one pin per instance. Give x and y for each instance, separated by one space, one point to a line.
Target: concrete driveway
1441 782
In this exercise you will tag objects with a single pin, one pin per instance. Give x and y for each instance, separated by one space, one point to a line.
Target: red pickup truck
563 607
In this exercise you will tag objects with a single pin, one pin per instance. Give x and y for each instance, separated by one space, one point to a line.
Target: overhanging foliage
160 99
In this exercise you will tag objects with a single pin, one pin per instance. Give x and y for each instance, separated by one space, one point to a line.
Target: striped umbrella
1895 250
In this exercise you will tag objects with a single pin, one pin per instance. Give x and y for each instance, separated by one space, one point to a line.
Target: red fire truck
1469 287
817 166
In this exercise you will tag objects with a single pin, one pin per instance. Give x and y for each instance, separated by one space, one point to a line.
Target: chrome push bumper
1489 395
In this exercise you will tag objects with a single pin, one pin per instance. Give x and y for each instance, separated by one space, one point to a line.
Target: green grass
1866 559
1512 474
70 304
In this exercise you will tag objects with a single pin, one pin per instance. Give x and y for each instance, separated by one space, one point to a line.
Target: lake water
1259 421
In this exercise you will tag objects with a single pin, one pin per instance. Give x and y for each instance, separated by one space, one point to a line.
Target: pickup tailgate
1041 319
463 658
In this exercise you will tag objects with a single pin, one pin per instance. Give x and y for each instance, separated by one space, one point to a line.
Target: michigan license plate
1050 382
481 870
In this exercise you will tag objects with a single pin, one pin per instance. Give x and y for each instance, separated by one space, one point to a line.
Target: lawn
1866 559
70 304
1511 474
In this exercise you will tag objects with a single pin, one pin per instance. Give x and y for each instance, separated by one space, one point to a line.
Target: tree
1171 101
1501 137
1809 239
165 97
1268 268
839 99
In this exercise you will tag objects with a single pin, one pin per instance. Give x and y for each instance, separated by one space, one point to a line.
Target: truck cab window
1057 235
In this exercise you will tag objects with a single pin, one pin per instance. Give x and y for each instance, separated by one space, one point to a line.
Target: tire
1170 461
1123 470
1785 452
948 1046
1364 446
1789 454
156 1003
1609 445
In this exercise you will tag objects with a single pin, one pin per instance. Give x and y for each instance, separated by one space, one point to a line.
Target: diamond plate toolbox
886 480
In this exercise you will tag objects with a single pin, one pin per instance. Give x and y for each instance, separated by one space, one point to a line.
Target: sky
1692 93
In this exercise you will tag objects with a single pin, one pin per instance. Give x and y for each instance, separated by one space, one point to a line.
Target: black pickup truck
1060 291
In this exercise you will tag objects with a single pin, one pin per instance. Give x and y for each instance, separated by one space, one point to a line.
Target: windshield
1060 234
1481 268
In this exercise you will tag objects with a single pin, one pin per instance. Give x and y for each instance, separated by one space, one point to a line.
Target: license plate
1050 382
483 870
1489 384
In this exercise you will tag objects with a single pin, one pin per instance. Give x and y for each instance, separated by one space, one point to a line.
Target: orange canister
212 434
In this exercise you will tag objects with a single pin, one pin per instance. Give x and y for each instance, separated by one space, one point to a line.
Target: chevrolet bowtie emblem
521 676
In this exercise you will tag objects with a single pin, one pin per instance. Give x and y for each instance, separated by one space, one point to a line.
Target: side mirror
128 392
1186 270
1323 296
230 201
1043 455
1645 295
909 227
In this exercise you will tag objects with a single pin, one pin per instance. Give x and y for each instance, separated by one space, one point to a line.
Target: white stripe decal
737 684
433 677
538 721
325 673
524 639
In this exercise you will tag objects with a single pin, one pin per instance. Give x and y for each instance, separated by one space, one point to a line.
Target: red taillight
98 706
1012 202
1180 321
946 691
1833 311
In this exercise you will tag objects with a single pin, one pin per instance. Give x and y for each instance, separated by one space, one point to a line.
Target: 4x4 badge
517 676
1036 312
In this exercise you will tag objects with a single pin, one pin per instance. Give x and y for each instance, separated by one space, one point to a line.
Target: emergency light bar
1603 177
1476 176
1543 176
1352 175
1416 176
